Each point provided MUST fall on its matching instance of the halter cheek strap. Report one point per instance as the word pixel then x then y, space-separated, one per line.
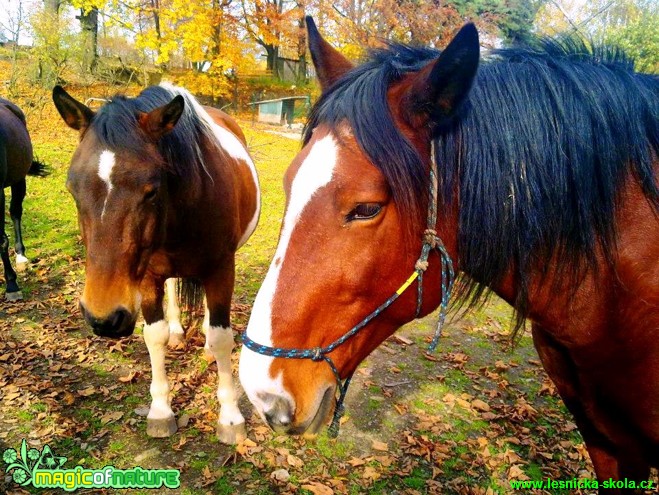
pixel 431 241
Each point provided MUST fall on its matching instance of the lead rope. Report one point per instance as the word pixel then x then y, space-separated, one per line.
pixel 431 241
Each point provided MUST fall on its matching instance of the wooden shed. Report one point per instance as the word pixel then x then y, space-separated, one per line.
pixel 279 110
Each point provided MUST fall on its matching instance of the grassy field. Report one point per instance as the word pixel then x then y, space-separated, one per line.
pixel 466 420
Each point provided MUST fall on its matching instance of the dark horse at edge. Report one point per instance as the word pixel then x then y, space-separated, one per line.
pixel 16 161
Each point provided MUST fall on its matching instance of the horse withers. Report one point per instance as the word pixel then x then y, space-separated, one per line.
pixel 16 161
pixel 546 193
pixel 164 188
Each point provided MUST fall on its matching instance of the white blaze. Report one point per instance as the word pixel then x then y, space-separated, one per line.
pixel 106 162
pixel 315 172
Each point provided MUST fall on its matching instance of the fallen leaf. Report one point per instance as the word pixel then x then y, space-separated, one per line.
pixel 515 472
pixel 480 405
pixel 86 392
pixel 128 378
pixel 371 473
pixel 112 416
pixel 318 488
pixel 380 446
pixel 280 475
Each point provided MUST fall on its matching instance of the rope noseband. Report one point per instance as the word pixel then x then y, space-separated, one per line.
pixel 431 241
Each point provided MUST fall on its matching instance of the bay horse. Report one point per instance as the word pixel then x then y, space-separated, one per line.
pixel 16 161
pixel 164 188
pixel 546 194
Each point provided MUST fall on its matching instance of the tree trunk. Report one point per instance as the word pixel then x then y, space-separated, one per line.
pixel 217 30
pixel 89 26
pixel 272 52
pixel 155 6
pixel 52 6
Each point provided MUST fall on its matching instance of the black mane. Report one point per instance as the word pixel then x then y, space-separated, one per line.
pixel 116 127
pixel 539 152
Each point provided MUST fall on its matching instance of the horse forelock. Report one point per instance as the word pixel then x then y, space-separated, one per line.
pixel 181 150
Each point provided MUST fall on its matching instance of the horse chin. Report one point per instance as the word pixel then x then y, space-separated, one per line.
pixel 126 330
pixel 325 408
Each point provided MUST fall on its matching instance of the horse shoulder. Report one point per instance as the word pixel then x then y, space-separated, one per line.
pixel 246 184
pixel 227 122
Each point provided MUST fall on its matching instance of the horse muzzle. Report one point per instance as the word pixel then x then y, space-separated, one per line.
pixel 119 323
pixel 280 416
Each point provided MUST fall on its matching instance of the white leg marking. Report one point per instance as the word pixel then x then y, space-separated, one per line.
pixel 229 143
pixel 207 320
pixel 173 311
pixel 156 336
pixel 220 342
pixel 106 163
pixel 315 172
pixel 21 260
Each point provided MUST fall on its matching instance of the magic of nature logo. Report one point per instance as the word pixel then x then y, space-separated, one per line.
pixel 43 469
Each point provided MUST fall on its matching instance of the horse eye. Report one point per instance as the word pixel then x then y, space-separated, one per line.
pixel 364 211
pixel 151 194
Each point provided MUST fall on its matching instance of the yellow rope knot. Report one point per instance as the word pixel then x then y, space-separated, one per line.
pixel 430 237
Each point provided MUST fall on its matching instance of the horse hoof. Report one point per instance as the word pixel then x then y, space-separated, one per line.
pixel 161 428
pixel 14 296
pixel 176 339
pixel 231 434
pixel 21 263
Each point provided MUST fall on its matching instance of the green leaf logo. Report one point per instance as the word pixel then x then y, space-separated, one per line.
pixel 23 466
pixel 48 460
pixel 9 456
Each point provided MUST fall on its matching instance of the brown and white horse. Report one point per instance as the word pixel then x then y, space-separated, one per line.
pixel 164 188
pixel 547 168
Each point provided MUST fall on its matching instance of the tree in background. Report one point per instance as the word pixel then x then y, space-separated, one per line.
pixel 632 25
pixel 88 18
pixel 355 25
pixel 638 34
pixel 209 45
pixel 55 45
pixel 273 24
pixel 13 25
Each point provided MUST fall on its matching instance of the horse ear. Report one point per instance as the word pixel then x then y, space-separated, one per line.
pixel 439 89
pixel 75 114
pixel 329 63
pixel 162 120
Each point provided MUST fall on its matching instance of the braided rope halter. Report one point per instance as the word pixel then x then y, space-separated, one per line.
pixel 431 241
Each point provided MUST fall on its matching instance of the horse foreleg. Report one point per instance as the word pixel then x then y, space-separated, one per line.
pixel 176 333
pixel 160 422
pixel 204 329
pixel 561 369
pixel 13 291
pixel 16 214
pixel 219 341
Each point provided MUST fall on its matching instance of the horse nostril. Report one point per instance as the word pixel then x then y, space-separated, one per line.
pixel 277 411
pixel 275 419
pixel 116 319
pixel 119 323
